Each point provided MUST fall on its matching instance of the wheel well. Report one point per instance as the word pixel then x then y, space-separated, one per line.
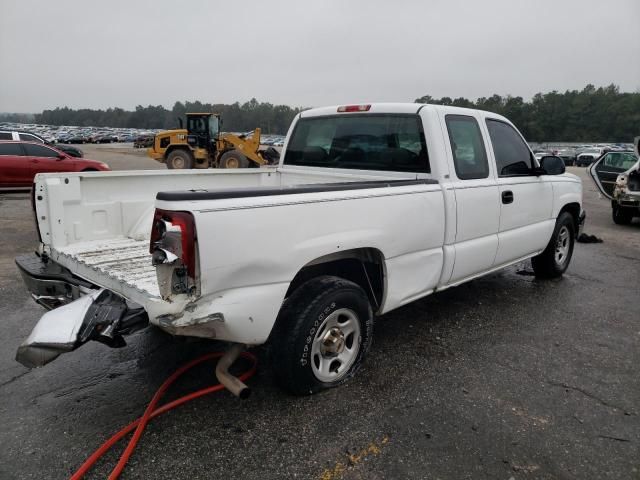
pixel 90 170
pixel 363 266
pixel 574 210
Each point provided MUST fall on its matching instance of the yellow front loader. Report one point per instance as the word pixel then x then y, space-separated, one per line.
pixel 202 145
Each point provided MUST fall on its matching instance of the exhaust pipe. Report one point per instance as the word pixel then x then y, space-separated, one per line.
pixel 232 383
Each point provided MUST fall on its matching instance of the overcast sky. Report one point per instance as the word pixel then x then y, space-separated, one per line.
pixel 123 53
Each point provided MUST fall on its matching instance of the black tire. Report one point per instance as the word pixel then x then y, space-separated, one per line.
pixel 305 319
pixel 233 159
pixel 179 160
pixel 90 170
pixel 551 263
pixel 621 215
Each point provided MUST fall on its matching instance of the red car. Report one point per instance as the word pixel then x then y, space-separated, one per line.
pixel 20 161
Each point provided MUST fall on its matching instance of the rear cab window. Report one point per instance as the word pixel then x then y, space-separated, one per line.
pixel 386 142
pixel 513 157
pixel 6 136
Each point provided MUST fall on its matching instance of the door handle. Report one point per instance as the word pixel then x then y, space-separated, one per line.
pixel 507 197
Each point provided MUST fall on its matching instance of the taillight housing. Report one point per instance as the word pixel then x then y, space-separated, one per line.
pixel 173 244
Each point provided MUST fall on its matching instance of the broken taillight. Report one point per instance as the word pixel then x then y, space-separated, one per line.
pixel 173 243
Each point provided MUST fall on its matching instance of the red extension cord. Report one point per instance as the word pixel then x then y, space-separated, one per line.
pixel 152 412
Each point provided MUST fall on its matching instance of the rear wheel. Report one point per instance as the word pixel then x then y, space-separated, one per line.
pixel 554 260
pixel 322 334
pixel 233 159
pixel 621 215
pixel 179 160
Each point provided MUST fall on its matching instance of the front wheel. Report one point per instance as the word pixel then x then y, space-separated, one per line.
pixel 233 159
pixel 554 260
pixel 179 160
pixel 322 334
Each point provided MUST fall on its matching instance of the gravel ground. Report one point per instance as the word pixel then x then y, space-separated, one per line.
pixel 503 377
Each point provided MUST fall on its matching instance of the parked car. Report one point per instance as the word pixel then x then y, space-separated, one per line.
pixel 21 161
pixel 357 218
pixel 617 176
pixel 105 138
pixel 568 156
pixel 542 153
pixel 143 141
pixel 76 138
pixel 32 137
pixel 588 156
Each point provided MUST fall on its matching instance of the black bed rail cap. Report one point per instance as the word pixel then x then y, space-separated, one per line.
pixel 245 192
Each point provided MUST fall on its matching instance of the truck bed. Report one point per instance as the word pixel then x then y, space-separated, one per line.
pixel 97 224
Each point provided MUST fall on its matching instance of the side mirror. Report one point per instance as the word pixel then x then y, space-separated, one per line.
pixel 552 165
pixel 61 156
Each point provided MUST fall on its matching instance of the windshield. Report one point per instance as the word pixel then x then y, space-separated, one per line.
pixel 360 141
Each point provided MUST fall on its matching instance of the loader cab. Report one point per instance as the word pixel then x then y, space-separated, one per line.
pixel 203 129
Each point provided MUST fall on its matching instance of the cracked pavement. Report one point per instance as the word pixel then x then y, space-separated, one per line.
pixel 502 377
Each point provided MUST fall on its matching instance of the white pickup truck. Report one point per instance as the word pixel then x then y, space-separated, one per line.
pixel 371 207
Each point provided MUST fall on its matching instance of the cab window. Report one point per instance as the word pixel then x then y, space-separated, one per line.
pixel 513 157
pixel 467 146
pixel 29 138
pixel 12 149
pixel 39 151
pixel 619 161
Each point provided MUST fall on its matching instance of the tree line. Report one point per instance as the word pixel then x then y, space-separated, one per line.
pixel 236 117
pixel 592 114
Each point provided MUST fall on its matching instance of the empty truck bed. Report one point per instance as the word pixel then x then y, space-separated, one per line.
pixel 120 264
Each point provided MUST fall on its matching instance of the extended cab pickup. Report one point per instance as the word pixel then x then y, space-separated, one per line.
pixel 371 207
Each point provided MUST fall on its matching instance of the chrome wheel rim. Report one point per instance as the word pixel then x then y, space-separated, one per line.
pixel 562 245
pixel 335 345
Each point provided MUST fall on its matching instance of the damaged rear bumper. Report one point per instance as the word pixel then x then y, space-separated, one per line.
pixel 50 284
pixel 80 312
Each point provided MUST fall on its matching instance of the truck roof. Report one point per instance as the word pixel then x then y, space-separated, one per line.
pixel 406 108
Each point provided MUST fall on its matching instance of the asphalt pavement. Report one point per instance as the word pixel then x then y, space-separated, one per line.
pixel 503 377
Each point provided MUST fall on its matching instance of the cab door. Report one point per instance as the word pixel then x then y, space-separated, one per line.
pixel 476 197
pixel 526 199
pixel 14 166
pixel 606 170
